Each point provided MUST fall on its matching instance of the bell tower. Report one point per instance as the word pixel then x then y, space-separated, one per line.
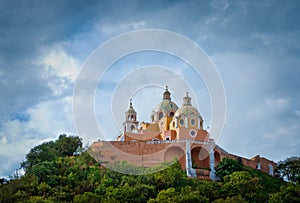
pixel 130 123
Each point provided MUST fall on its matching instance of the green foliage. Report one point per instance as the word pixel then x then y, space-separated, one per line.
pixel 226 167
pixel 65 146
pixel 87 197
pixel 289 194
pixel 80 179
pixel 289 169
pixel 39 154
pixel 49 151
pixel 233 199
pixel 242 183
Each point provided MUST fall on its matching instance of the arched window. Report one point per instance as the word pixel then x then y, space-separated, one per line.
pixel 271 170
pixel 258 166
pixel 171 114
pixel 160 115
pixel 181 121
pixel 193 121
pixel 132 128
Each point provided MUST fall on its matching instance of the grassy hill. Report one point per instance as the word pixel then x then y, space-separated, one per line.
pixel 53 175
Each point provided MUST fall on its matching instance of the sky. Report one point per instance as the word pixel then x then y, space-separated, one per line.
pixel 253 44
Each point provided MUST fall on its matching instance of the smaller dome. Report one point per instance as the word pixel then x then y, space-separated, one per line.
pixel 187 111
pixel 187 101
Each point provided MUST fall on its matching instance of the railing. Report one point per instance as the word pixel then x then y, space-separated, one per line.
pixel 179 141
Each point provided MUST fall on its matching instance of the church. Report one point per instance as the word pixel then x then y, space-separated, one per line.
pixel 173 133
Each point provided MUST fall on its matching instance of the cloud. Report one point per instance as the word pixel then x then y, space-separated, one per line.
pixel 261 118
pixel 61 63
pixel 254 45
pixel 47 120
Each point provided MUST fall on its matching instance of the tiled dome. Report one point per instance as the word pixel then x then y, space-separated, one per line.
pixel 166 106
pixel 187 110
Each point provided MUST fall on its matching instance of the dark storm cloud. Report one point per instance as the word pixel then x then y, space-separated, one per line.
pixel 256 44
pixel 27 27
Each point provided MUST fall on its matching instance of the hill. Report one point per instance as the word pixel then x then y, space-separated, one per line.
pixel 54 175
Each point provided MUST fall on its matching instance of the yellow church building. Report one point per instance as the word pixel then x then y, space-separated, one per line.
pixel 174 132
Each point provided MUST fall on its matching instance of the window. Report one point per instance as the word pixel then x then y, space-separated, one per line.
pixel 160 115
pixel 171 114
pixel 193 133
pixel 132 128
pixel 193 121
pixel 258 166
pixel 181 121
pixel 168 138
pixel 271 170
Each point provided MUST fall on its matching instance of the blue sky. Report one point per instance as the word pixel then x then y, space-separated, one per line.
pixel 254 45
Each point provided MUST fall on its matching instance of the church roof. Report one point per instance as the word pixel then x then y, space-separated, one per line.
pixel 187 109
pixel 166 105
pixel 131 109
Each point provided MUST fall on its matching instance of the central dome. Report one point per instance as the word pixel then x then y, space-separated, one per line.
pixel 165 108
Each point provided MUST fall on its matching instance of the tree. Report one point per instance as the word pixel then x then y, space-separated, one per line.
pixel 43 170
pixel 289 169
pixel 234 199
pixel 242 183
pixel 87 197
pixel 49 151
pixel 165 196
pixel 39 154
pixel 226 167
pixel 289 194
pixel 65 146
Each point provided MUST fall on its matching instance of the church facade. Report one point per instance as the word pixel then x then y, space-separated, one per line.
pixel 174 132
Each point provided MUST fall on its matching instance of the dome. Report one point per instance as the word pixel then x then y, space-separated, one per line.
pixel 166 106
pixel 187 111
